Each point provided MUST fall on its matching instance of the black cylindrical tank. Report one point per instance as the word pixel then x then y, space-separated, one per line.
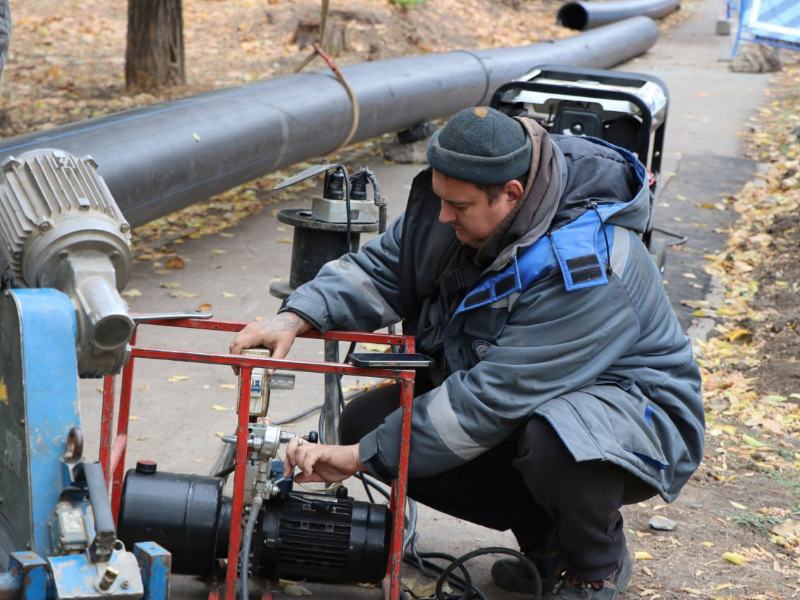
pixel 186 514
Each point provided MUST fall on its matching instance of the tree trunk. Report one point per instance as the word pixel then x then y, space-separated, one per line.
pixel 154 56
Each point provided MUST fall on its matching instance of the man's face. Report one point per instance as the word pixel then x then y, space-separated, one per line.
pixel 466 208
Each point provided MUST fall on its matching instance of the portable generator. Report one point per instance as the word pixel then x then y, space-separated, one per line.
pixel 625 109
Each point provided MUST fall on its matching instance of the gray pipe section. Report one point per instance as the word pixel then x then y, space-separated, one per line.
pixel 160 158
pixel 588 15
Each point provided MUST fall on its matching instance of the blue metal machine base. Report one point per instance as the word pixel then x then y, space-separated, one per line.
pixel 45 527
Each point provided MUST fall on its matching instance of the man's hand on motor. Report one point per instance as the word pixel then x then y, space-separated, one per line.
pixel 276 334
pixel 321 462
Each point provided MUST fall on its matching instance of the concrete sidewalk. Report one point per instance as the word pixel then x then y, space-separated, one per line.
pixel 177 423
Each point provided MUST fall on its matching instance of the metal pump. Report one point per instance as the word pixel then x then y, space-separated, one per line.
pixel 60 228
pixel 290 534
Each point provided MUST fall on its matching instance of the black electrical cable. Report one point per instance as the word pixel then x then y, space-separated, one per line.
pixel 341 391
pixel 422 561
pixel 247 540
pixel 682 239
pixel 347 204
pixel 415 558
pixel 298 416
pixel 224 472
pixel 494 550
pixel 593 206
pixel 360 476
pixel 321 427
pixel 376 192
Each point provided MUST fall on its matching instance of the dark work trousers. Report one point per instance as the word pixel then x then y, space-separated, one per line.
pixel 530 484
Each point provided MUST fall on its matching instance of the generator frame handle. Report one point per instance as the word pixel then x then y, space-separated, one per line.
pixel 113 447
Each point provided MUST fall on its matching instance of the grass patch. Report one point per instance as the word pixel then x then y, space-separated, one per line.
pixel 763 523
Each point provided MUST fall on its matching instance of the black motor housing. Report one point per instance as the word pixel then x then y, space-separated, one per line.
pixel 323 538
pixel 317 537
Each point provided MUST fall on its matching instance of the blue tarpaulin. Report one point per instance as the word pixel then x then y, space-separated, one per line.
pixel 772 22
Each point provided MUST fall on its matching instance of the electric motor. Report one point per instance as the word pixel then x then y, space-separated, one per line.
pixel 323 538
pixel 61 228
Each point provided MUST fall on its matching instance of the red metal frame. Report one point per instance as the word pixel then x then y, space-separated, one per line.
pixel 113 448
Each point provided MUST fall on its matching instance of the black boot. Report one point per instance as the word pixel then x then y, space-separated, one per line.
pixel 608 588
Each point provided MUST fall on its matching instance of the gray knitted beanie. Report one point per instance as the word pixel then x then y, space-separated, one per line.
pixel 481 145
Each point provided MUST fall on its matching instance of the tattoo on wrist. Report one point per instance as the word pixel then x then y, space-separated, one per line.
pixel 283 322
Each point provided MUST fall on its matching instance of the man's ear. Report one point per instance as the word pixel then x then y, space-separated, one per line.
pixel 513 190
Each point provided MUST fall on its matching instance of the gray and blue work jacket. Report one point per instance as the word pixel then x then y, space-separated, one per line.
pixel 574 326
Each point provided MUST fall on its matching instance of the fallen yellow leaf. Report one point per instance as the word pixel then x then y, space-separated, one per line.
pixel 170 285
pixel 376 347
pixel 132 293
pixel 227 386
pixel 228 295
pixel 737 505
pixel 642 555
pixel 218 407
pixel 175 378
pixel 183 295
pixel 743 334
pixel 723 586
pixel 735 558
pixel 751 441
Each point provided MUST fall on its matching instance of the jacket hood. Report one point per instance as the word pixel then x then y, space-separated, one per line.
pixel 584 175
pixel 606 175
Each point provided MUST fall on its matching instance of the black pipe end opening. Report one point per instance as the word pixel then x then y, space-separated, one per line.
pixel 573 16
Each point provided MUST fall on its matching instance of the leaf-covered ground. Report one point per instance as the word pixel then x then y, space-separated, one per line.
pixel 744 500
pixel 738 525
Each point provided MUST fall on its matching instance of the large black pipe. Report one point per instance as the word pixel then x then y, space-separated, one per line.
pixel 588 15
pixel 163 157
